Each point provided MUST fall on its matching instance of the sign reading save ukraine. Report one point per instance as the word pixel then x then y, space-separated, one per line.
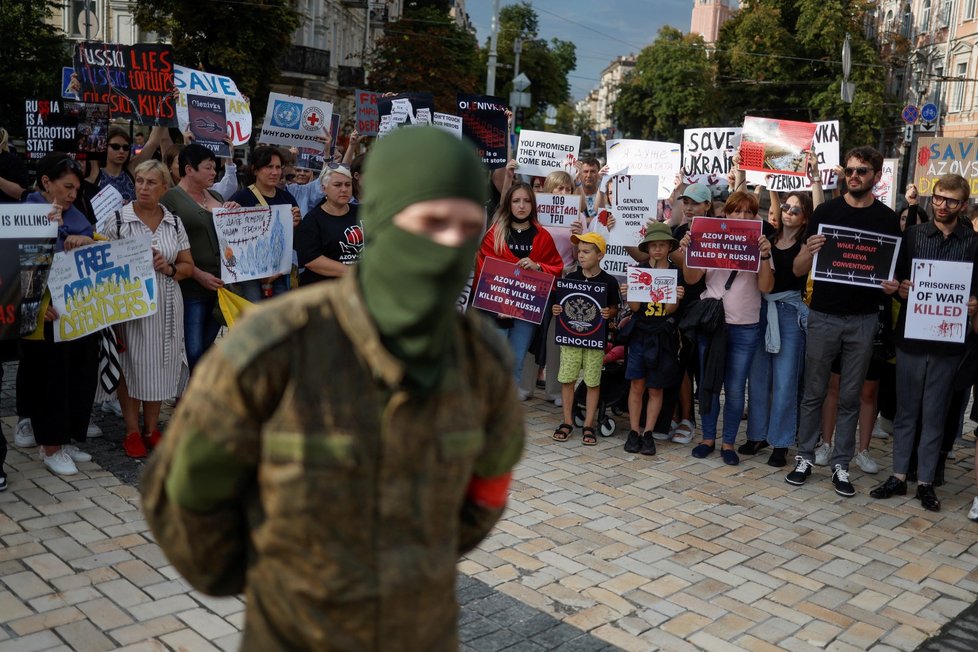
pixel 940 156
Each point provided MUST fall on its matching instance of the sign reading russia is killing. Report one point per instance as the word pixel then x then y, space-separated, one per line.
pixel 136 81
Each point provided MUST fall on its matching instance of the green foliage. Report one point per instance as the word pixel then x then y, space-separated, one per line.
pixel 33 53
pixel 242 41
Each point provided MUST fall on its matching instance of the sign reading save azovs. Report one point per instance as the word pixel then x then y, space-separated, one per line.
pixel 940 156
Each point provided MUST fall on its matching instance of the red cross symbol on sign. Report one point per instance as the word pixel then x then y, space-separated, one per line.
pixel 312 119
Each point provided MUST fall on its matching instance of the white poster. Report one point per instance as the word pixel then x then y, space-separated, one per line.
pixel 885 190
pixel 450 123
pixel 255 243
pixel 635 199
pixel 106 201
pixel 708 154
pixel 541 153
pixel 937 308
pixel 646 157
pixel 825 146
pixel 194 82
pixel 295 122
pixel 558 210
pixel 647 285
pixel 616 261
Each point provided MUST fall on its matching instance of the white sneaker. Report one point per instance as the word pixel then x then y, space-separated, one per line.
pixel 559 402
pixel 866 463
pixel 884 424
pixel 112 407
pixel 94 432
pixel 522 394
pixel 822 453
pixel 60 463
pixel 24 434
pixel 973 514
pixel 879 430
pixel 76 454
pixel 952 455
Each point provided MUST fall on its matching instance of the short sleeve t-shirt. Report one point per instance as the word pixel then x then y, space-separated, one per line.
pixel 338 237
pixel 742 302
pixel 784 276
pixel 123 183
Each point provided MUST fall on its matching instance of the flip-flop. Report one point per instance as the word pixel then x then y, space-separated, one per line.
pixel 589 439
pixel 563 432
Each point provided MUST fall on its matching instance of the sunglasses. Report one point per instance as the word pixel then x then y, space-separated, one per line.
pixel 117 146
pixel 333 165
pixel 69 164
pixel 861 171
pixel 941 200
pixel 793 210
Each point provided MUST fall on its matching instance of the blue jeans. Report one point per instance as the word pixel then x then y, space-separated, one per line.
pixel 251 290
pixel 199 327
pixel 520 336
pixel 741 343
pixel 772 412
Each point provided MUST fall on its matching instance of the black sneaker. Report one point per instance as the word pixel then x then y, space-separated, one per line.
pixel 803 469
pixel 648 443
pixel 634 442
pixel 840 478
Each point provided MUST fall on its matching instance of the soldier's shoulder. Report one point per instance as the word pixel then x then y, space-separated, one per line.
pixel 484 337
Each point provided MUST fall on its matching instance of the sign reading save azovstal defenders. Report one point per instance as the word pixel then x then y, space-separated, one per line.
pixel 580 322
pixel 940 156
pixel 855 257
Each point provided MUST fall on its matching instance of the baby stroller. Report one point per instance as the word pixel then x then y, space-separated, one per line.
pixel 614 391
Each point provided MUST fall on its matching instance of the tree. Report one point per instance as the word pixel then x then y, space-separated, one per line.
pixel 33 52
pixel 670 88
pixel 241 40
pixel 426 51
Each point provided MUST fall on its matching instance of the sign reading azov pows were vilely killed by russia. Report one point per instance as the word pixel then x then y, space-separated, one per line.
pixel 506 289
pixel 937 306
pixel 580 322
pixel 541 153
pixel 855 257
pixel 718 243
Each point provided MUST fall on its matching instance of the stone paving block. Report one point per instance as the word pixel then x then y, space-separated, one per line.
pixel 187 639
pixel 48 566
pixel 149 629
pixel 105 614
pixel 12 607
pixel 208 625
pixel 82 636
pixel 43 621
pixel 45 640
pixel 26 585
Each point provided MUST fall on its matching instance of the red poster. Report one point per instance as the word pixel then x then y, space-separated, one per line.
pixel 776 146
pixel 719 243
pixel 505 289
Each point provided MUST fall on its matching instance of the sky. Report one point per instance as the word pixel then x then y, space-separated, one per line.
pixel 601 29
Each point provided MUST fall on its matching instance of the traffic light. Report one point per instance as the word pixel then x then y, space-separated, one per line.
pixel 518 120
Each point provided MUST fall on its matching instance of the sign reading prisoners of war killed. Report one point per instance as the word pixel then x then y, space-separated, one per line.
pixel 541 153
pixel 27 239
pixel 719 243
pixel 580 322
pixel 937 307
pixel 939 156
pixel 136 81
pixel 102 284
pixel 708 154
pixel 506 289
pixel 634 198
pixel 76 128
pixel 484 123
pixel 646 157
pixel 855 257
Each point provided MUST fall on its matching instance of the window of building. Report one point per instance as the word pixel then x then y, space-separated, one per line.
pixel 969 10
pixel 925 16
pixel 83 19
pixel 907 28
pixel 957 95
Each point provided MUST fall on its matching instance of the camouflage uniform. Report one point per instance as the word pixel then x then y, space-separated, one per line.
pixel 297 469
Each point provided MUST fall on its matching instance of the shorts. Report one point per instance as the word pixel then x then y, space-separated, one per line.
pixel 575 358
pixel 654 357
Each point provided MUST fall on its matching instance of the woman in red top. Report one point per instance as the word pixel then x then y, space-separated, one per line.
pixel 517 237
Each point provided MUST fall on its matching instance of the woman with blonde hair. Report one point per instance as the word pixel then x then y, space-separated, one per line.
pixel 13 173
pixel 330 239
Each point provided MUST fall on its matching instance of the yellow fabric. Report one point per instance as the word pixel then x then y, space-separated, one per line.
pixel 261 198
pixel 232 305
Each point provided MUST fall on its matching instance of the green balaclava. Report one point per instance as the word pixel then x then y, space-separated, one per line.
pixel 410 283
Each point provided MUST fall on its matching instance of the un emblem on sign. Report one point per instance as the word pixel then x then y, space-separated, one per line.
pixel 286 114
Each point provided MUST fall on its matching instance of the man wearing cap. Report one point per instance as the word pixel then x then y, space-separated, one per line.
pixel 345 443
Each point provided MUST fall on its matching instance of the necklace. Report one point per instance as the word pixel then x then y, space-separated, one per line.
pixel 521 230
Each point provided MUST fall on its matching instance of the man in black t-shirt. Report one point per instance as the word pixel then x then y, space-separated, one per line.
pixel 843 320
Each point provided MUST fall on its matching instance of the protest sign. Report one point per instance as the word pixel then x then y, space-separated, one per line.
pixel 208 122
pixel 541 153
pixel 404 109
pixel 885 190
pixel 776 146
pixel 708 154
pixel 237 106
pixel 504 288
pixel 558 210
pixel 937 307
pixel 106 201
pixel 616 261
pixel 295 122
pixel 634 198
pixel 580 322
pixel 101 285
pixel 484 123
pixel 450 123
pixel 646 157
pixel 855 257
pixel 76 128
pixel 719 243
pixel 647 285
pixel 255 243
pixel 136 81
pixel 367 119
pixel 27 239
pixel 939 156
pixel 310 159
pixel 825 149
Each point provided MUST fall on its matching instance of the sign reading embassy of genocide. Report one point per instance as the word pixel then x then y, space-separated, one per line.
pixel 506 289
pixel 136 81
pixel 718 243
pixel 580 322
pixel 855 257
pixel 27 239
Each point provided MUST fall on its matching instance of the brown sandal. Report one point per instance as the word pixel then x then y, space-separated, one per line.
pixel 590 437
pixel 563 432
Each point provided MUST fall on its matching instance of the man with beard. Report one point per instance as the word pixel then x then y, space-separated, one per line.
pixel 925 369
pixel 843 319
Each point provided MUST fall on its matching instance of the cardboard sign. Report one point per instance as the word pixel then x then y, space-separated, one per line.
pixel 295 122
pixel 503 288
pixel 450 123
pixel 720 243
pixel 885 190
pixel 855 257
pixel 825 148
pixel 255 243
pixel 75 128
pixel 708 154
pixel 136 81
pixel 27 240
pixel 101 285
pixel 939 156
pixel 367 119
pixel 558 210
pixel 778 146
pixel 937 308
pixel 647 285
pixel 208 122
pixel 635 199
pixel 237 107
pixel 580 322
pixel 106 201
pixel 541 153
pixel 484 123
pixel 404 109
pixel 647 158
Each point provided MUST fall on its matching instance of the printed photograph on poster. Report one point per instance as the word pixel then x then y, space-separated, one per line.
pixel 937 306
pixel 504 288
pixel 404 109
pixel 254 243
pixel 855 257
pixel 580 322
pixel 939 156
pixel 708 154
pixel 484 123
pixel 208 123
pixel 558 210
pixel 295 122
pixel 634 198
pixel 825 149
pixel 541 152
pixel 647 285
pixel 76 128
pixel 27 240
pixel 367 117
pixel 237 106
pixel 719 243
pixel 135 81
pixel 768 145
pixel 646 158
pixel 101 285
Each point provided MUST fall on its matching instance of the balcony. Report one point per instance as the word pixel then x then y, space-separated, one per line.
pixel 349 76
pixel 379 16
pixel 355 4
pixel 305 60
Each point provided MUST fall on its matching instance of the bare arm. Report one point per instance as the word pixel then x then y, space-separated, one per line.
pixel 327 267
pixel 152 144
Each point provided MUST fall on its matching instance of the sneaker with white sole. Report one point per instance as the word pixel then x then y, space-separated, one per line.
pixel 822 454
pixel 94 432
pixel 523 394
pixel 59 463
pixel 76 454
pixel 803 469
pixel 112 407
pixel 24 434
pixel 3 482
pixel 973 514
pixel 878 430
pixel 840 478
pixel 866 463
pixel 684 432
pixel 661 436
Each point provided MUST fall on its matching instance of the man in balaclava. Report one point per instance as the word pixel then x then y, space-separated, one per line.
pixel 345 443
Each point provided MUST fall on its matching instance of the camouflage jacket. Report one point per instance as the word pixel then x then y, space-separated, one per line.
pixel 299 470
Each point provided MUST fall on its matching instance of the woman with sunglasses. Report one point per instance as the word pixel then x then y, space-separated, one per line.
pixel 57 380
pixel 120 163
pixel 330 239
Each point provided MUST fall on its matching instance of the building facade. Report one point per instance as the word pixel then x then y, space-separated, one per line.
pixel 708 16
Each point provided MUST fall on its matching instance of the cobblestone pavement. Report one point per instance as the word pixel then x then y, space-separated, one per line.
pixel 600 550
